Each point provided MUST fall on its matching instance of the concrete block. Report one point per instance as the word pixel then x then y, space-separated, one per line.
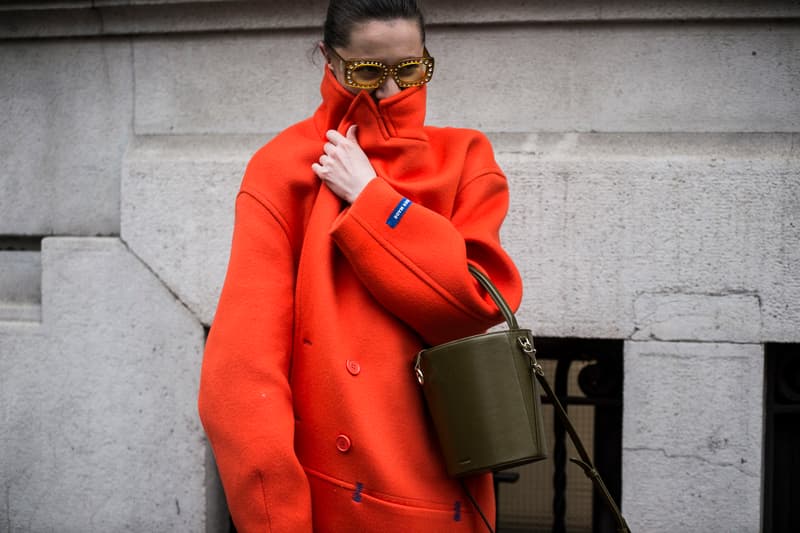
pixel 661 77
pixel 177 210
pixel 66 109
pixel 511 11
pixel 598 221
pixel 692 436
pixel 664 494
pixel 674 404
pixel 125 17
pixel 636 78
pixel 99 427
pixel 225 85
pixel 706 317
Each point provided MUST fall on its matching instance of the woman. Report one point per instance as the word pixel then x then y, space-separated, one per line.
pixel 353 233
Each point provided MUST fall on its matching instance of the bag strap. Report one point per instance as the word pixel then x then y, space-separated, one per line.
pixel 499 301
pixel 584 462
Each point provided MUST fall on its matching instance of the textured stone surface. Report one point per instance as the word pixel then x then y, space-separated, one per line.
pixel 65 119
pixel 692 436
pixel 177 210
pixel 98 428
pixel 631 78
pixel 249 91
pixel 671 494
pixel 598 222
pixel 706 317
pixel 623 78
pixel 112 17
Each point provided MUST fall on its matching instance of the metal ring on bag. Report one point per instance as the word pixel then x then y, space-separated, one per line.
pixel 526 345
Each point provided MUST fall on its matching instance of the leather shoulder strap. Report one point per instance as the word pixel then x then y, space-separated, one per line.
pixel 584 462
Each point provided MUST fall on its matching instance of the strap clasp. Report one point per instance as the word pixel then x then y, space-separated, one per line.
pixel 527 347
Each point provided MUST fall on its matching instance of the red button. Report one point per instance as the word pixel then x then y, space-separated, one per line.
pixel 353 367
pixel 343 443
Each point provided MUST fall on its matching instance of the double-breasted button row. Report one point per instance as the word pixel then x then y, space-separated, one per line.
pixel 343 443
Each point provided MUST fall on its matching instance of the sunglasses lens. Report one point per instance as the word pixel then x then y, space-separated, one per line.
pixel 367 76
pixel 413 73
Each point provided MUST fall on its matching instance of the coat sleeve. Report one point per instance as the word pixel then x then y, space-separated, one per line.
pixel 245 402
pixel 414 260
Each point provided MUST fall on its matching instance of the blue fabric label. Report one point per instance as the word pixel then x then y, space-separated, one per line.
pixel 397 214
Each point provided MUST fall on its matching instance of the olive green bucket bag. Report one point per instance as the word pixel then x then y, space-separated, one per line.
pixel 483 396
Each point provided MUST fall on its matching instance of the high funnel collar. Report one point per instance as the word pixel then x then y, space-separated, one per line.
pixel 401 115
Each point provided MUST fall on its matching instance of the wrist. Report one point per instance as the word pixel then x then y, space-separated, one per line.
pixel 363 185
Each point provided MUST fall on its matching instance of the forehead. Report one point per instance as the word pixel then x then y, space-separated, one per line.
pixel 389 40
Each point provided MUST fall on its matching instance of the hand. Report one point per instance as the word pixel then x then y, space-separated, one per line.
pixel 344 167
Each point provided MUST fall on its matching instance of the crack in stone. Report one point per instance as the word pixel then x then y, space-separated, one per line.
pixel 161 280
pixel 724 464
pixel 683 291
pixel 635 337
pixel 647 318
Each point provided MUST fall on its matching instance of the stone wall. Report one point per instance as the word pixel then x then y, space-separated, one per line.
pixel 653 152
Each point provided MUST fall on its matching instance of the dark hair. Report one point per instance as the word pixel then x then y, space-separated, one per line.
pixel 344 14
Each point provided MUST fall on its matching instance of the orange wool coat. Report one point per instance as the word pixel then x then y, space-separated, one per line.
pixel 307 392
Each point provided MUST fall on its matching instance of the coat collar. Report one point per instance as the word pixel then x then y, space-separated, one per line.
pixel 402 115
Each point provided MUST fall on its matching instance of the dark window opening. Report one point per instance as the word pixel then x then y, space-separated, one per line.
pixel 21 243
pixel 782 438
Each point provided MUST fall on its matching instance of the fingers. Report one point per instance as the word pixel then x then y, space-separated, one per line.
pixel 336 138
pixel 323 173
pixel 338 144
pixel 343 165
pixel 322 168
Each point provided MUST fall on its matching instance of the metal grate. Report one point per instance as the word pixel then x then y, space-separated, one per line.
pixel 554 495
